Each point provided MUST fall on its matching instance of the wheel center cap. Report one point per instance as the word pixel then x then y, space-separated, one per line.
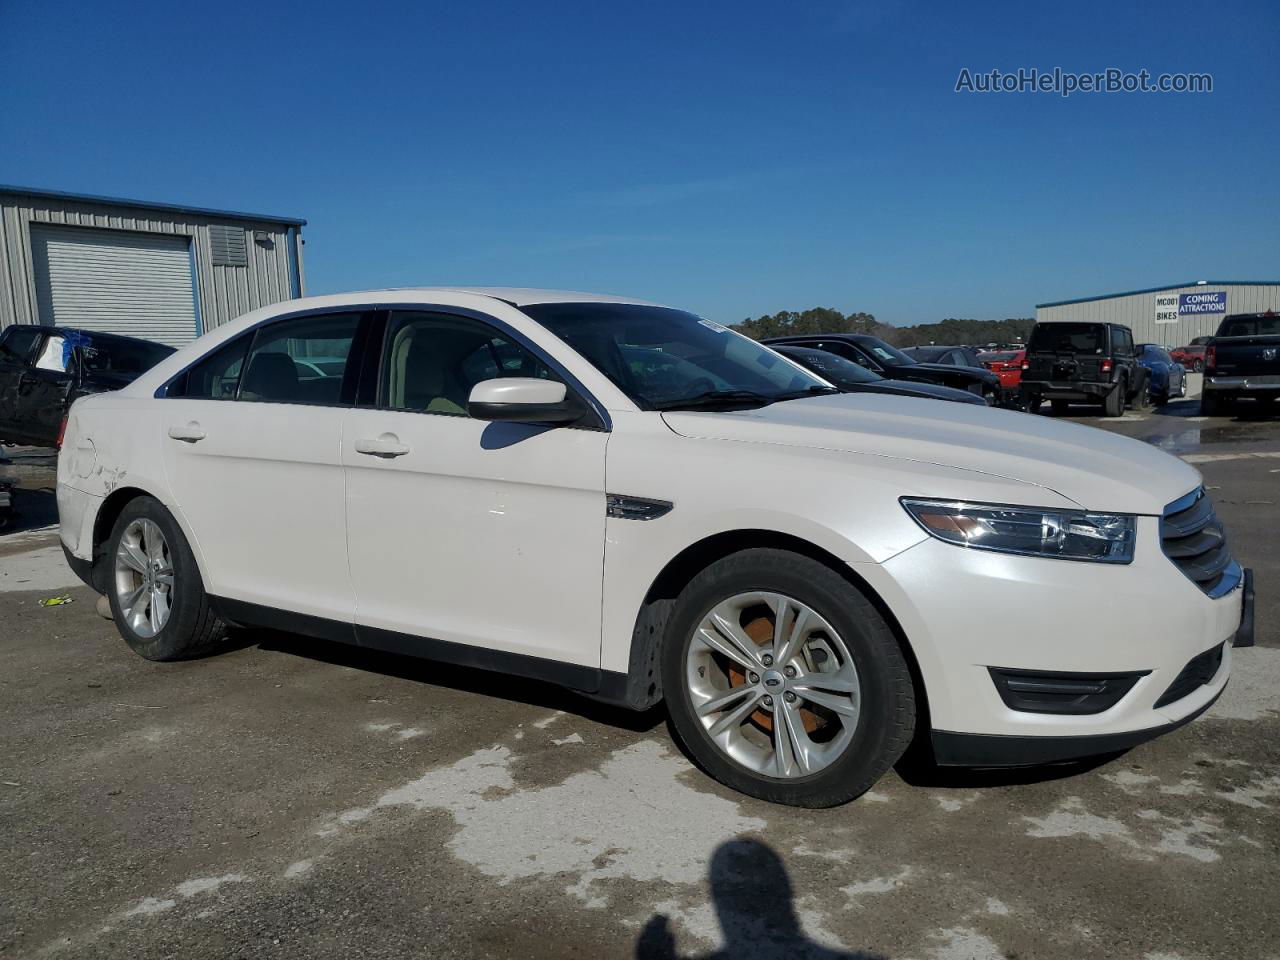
pixel 773 680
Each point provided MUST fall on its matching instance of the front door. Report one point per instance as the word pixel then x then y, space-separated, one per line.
pixel 484 534
pixel 18 348
pixel 252 449
pixel 44 390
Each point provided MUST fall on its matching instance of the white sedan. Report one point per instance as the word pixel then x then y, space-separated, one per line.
pixel 645 506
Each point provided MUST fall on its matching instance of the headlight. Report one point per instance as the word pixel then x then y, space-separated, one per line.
pixel 1027 531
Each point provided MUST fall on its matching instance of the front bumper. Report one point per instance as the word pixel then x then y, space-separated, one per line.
pixel 967 611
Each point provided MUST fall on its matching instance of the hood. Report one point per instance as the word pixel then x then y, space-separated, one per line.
pixel 1092 467
pixel 917 388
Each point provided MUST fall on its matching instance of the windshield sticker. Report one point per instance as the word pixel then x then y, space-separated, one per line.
pixel 712 325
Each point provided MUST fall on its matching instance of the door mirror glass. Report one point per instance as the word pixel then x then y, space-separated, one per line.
pixel 523 400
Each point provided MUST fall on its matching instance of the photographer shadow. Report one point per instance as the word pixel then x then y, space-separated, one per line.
pixel 755 906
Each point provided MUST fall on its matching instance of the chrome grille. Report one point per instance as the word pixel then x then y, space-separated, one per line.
pixel 1192 537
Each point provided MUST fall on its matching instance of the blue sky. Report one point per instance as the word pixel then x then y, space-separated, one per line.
pixel 733 158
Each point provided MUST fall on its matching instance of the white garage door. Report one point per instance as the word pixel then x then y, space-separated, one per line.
pixel 137 284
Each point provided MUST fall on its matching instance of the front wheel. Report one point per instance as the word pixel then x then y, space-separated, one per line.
pixel 784 682
pixel 156 594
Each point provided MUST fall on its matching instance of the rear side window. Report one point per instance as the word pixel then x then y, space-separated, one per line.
pixel 302 360
pixel 217 376
pixel 122 358
pixel 1250 327
pixel 1068 338
pixel 18 344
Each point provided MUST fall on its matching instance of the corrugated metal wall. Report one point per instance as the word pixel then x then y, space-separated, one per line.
pixel 224 292
pixel 1138 311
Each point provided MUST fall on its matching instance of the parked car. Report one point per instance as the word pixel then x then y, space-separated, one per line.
pixel 44 369
pixel 888 361
pixel 1242 360
pixel 1005 364
pixel 1166 378
pixel 6 503
pixel 1095 362
pixel 953 356
pixel 852 377
pixel 1191 356
pixel 496 479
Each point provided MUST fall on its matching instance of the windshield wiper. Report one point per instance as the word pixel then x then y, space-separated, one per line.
pixel 814 391
pixel 716 398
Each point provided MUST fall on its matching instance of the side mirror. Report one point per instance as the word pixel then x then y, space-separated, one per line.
pixel 523 400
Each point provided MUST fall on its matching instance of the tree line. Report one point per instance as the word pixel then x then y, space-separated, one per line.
pixel 953 330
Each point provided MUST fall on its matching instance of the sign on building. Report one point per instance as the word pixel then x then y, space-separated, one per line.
pixel 1166 308
pixel 1193 304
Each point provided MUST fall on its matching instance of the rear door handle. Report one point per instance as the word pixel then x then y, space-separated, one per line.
pixel 191 433
pixel 387 445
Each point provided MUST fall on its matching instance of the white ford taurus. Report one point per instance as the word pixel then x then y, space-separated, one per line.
pixel 645 506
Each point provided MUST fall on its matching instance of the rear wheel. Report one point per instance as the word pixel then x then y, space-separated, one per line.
pixel 157 598
pixel 784 682
pixel 1197 365
pixel 1113 402
pixel 1212 404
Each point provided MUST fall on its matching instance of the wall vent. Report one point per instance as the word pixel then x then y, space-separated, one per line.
pixel 228 247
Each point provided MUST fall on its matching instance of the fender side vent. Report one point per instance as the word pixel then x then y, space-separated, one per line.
pixel 635 508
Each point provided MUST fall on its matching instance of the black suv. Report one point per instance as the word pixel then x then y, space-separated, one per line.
pixel 1094 362
pixel 43 370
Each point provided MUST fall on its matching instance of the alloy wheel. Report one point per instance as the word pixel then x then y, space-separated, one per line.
pixel 773 685
pixel 144 577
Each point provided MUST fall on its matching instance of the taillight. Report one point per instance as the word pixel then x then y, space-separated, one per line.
pixel 1106 366
pixel 1026 366
pixel 62 432
pixel 1210 357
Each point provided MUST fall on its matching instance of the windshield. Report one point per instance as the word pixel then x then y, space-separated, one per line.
pixel 885 353
pixel 836 369
pixel 120 358
pixel 1068 338
pixel 1250 327
pixel 661 357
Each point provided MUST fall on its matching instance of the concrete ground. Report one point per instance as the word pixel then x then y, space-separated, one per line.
pixel 295 799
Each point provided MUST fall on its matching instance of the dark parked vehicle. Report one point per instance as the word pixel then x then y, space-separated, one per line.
pixel 44 369
pixel 852 377
pixel 1094 362
pixel 954 356
pixel 1242 360
pixel 1166 377
pixel 878 356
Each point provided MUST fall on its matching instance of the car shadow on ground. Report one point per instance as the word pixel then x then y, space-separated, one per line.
pixel 30 510
pixel 755 905
pixel 439 674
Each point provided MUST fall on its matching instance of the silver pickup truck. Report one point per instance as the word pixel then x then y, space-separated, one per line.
pixel 1242 360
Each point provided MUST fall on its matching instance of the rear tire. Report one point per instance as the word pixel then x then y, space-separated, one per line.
pixel 1032 403
pixel 157 597
pixel 859 734
pixel 1211 404
pixel 1060 407
pixel 1113 402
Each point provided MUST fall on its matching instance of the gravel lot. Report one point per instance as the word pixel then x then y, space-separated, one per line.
pixel 292 798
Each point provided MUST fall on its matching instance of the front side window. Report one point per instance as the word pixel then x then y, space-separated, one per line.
pixel 300 360
pixel 433 360
pixel 664 359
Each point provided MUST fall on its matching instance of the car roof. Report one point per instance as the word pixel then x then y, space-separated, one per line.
pixel 519 296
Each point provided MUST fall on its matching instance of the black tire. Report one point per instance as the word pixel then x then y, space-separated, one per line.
pixel 1211 404
pixel 1113 402
pixel 1141 399
pixel 1197 365
pixel 887 718
pixel 1159 399
pixel 192 628
pixel 1060 407
pixel 1031 403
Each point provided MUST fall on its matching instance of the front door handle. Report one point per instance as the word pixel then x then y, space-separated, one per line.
pixel 191 433
pixel 387 445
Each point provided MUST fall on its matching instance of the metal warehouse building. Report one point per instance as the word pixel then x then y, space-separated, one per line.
pixel 154 270
pixel 1170 316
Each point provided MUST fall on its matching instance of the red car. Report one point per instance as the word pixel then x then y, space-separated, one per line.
pixel 1190 356
pixel 1005 364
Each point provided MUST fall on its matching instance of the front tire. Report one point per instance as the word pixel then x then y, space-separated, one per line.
pixel 784 682
pixel 154 587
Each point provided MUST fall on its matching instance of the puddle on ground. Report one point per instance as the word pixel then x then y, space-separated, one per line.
pixel 1190 439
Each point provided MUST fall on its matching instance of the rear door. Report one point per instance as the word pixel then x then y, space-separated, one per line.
pixel 18 348
pixel 252 450
pixel 44 390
